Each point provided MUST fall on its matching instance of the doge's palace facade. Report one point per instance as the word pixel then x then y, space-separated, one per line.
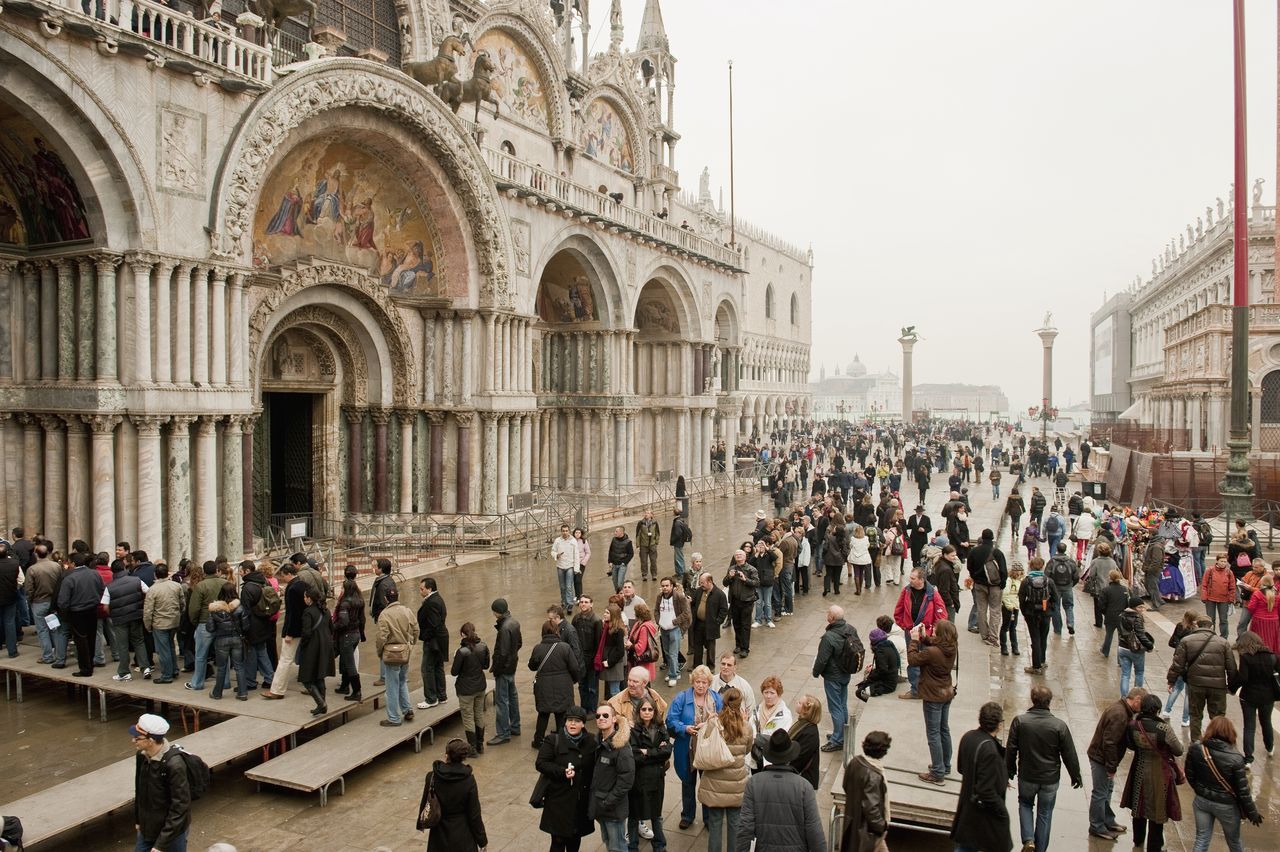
pixel 252 272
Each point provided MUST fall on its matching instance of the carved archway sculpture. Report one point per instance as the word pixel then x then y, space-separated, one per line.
pixel 383 91
pixel 382 323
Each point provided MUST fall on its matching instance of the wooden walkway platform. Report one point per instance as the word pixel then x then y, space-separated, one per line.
pixel 66 806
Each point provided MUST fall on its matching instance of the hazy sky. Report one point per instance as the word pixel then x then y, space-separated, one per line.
pixel 966 166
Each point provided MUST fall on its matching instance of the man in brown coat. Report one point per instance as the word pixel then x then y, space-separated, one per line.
pixel 1106 750
pixel 671 610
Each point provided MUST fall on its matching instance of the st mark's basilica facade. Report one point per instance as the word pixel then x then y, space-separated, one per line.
pixel 254 270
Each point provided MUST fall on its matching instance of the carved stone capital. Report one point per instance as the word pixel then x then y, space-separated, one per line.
pixel 490 416
pixel 180 424
pixel 148 424
pixel 102 424
pixel 141 261
pixel 353 414
pixel 75 425
pixel 28 421
pixel 106 263
pixel 464 419
pixel 436 418
pixel 51 423
pixel 406 415
pixel 380 416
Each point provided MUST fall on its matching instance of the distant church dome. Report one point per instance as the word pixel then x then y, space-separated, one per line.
pixel 855 368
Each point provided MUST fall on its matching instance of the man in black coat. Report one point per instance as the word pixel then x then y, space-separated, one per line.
pixel 291 631
pixel 981 822
pixel 262 630
pixel 988 585
pixel 707 608
pixel 506 651
pixel 918 528
pixel 435 642
pixel 378 595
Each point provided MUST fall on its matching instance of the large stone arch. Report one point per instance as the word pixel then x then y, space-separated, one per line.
pixel 533 37
pixel 382 94
pixel 333 339
pixel 727 328
pixel 352 305
pixel 119 198
pixel 680 289
pixel 599 264
pixel 627 109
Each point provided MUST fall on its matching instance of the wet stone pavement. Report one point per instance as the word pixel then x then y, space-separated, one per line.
pixel 47 739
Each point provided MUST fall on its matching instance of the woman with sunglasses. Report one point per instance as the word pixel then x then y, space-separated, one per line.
pixel 651 746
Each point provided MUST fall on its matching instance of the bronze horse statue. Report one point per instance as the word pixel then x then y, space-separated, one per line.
pixel 476 90
pixel 275 11
pixel 433 72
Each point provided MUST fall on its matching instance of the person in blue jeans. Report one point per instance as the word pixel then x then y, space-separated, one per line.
pixel 1039 745
pixel 935 656
pixel 506 649
pixel 1213 758
pixel 1130 653
pixel 830 666
pixel 1106 750
pixel 613 776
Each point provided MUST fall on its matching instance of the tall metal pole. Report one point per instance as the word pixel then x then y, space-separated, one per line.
pixel 733 217
pixel 1235 488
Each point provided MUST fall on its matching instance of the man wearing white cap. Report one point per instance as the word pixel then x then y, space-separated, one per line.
pixel 162 790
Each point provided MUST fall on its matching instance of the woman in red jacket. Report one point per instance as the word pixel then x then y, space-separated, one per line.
pixel 919 604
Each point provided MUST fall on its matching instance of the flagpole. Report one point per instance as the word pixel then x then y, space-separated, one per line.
pixel 733 217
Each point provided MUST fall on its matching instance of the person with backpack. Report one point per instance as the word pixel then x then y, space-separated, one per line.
pixel 1065 573
pixel 1037 596
pixel 1054 528
pixel 840 654
pixel 1134 643
pixel 262 601
pixel 228 624
pixel 162 786
pixel 1205 532
pixel 989 572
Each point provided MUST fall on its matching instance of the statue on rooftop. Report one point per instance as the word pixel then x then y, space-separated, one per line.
pixel 1257 190
pixel 1220 209
pixel 1048 319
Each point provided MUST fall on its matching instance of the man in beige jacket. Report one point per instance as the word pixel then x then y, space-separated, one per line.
pixel 396 626
pixel 624 704
pixel 162 616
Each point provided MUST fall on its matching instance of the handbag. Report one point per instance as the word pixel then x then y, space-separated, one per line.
pixel 713 752
pixel 430 816
pixel 395 654
pixel 538 797
pixel 1208 758
pixel 1179 775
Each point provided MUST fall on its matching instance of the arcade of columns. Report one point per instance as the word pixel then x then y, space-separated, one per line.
pixel 179 483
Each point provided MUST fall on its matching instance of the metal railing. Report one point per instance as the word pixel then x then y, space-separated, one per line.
pixel 207 41
pixel 509 171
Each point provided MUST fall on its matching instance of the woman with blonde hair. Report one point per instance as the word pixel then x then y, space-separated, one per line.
pixel 689 712
pixel 721 789
pixel 1264 617
pixel 804 732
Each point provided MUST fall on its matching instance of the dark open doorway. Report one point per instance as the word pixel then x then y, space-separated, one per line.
pixel 290 451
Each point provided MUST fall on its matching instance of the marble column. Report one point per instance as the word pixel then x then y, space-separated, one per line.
pixel 48 307
pixel 355 459
pixel 436 419
pixel 489 463
pixel 514 457
pixel 107 335
pixel 218 328
pixel 468 355
pixel 694 453
pixel 680 461
pixel 9 279
pixel 629 470
pixel 103 480
pixel 465 420
pixel 571 451
pixel 239 324
pixel 446 367
pixel 141 265
pixel 163 322
pixel 507 359
pixel 704 466
pixel 87 321
pixel 502 463
pixel 487 381
pixel 556 455
pixel 619 455
pixel 67 321
pixel 233 541
pixel 199 329
pixel 150 510
pixel 28 328
pixel 586 429
pixel 429 334
pixel 542 424
pixel 526 452
pixel 607 455
pixel 55 479
pixel 182 332
pixel 32 480
pixel 178 516
pixel 206 488
pixel 380 417
pixel 1255 422
pixel 407 417
pixel 1193 416
pixel 657 440
pixel 247 424
pixel 78 486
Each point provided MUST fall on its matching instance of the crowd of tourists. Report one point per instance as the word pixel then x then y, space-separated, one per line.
pixel 747 757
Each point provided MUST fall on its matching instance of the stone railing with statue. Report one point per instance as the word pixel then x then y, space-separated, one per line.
pixel 163 35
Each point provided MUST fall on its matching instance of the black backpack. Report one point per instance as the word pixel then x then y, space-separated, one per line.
pixel 851 652
pixel 1038 591
pixel 198 775
pixel 1061 572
